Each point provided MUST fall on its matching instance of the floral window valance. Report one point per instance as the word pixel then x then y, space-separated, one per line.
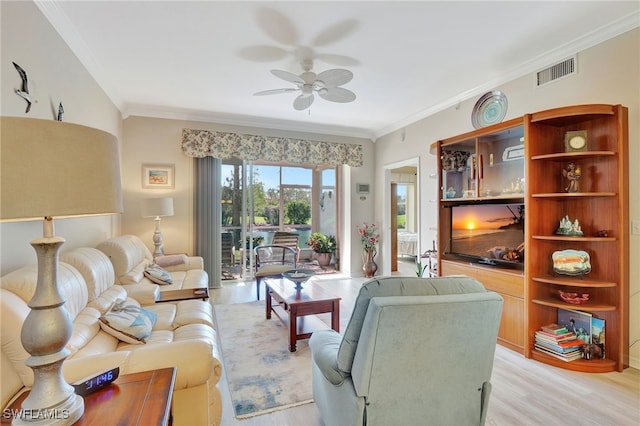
pixel 204 143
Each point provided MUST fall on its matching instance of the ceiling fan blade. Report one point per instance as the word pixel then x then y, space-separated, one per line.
pixel 340 60
pixel 288 76
pixel 274 91
pixel 302 102
pixel 338 94
pixel 335 77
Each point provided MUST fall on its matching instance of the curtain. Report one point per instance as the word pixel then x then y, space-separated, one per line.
pixel 205 143
pixel 208 216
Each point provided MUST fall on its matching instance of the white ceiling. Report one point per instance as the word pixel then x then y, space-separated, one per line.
pixel 203 60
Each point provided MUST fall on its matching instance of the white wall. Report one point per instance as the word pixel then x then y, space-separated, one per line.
pixel 55 75
pixel 607 73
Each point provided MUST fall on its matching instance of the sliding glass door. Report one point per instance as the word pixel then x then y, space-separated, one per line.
pixel 258 199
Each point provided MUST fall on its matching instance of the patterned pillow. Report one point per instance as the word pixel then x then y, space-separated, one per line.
pixel 157 274
pixel 128 322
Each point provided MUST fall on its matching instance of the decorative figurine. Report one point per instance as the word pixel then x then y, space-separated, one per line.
pixel 60 112
pixel 451 193
pixel 23 92
pixel 568 228
pixel 572 172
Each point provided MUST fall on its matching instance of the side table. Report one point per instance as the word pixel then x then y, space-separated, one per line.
pixel 184 294
pixel 133 399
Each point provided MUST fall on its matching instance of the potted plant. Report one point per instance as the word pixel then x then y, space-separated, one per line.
pixel 323 246
pixel 256 241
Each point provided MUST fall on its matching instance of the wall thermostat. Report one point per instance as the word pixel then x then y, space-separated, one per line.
pixel 362 188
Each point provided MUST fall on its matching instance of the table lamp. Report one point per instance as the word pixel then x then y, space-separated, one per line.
pixel 51 169
pixel 157 207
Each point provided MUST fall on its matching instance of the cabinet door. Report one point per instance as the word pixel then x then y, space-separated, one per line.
pixel 500 163
pixel 458 163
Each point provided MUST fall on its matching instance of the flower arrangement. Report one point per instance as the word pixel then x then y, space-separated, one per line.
pixel 369 236
pixel 321 243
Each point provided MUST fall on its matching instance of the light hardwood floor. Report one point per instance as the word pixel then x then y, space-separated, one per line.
pixel 525 392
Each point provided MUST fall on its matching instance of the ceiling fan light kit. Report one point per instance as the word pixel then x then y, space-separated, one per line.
pixel 325 84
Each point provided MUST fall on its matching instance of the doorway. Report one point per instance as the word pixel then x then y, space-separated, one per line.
pixel 402 218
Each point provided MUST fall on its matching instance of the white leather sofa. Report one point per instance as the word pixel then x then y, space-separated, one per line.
pixel 182 337
pixel 130 257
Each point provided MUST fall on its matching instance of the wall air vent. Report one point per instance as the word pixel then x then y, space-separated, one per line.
pixel 554 72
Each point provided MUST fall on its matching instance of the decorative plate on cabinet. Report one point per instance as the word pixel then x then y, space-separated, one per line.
pixel 490 109
pixel 571 262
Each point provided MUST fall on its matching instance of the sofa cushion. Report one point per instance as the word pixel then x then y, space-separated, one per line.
pixel 71 286
pixel 396 286
pixel 126 253
pixel 128 321
pixel 135 274
pixel 158 274
pixel 95 267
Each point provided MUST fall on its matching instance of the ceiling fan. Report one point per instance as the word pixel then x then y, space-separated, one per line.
pixel 326 85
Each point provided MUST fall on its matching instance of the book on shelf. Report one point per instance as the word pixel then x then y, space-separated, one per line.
pixel 577 322
pixel 562 347
pixel 597 338
pixel 554 329
pixel 572 356
pixel 555 337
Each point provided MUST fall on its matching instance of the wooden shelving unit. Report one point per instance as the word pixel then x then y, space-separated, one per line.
pixel 601 203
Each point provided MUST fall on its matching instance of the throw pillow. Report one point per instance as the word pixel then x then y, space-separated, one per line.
pixel 171 260
pixel 158 274
pixel 128 322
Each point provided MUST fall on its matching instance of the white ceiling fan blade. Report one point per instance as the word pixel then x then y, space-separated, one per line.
pixel 302 102
pixel 340 60
pixel 337 94
pixel 274 91
pixel 288 76
pixel 335 77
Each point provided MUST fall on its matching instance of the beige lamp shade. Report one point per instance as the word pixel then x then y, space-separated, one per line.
pixel 57 169
pixel 157 207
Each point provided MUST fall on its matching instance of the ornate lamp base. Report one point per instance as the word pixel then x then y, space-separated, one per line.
pixel 45 333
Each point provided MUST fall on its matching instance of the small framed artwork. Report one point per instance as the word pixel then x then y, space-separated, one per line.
pixel 158 176
pixel 575 141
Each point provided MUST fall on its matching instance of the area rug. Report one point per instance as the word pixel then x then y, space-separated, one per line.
pixel 263 375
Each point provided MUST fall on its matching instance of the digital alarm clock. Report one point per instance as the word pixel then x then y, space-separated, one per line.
pixel 96 382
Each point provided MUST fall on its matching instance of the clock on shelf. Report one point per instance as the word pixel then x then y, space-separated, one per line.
pixel 575 141
pixel 96 382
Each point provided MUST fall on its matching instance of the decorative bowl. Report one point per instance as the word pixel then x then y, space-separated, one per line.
pixel 574 298
pixel 298 276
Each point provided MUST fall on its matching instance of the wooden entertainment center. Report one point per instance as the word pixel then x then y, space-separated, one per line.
pixel 526 161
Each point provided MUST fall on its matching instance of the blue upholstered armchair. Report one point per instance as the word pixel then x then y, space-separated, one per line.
pixel 415 351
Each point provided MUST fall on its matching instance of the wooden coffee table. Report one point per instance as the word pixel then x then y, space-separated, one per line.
pixel 135 399
pixel 296 308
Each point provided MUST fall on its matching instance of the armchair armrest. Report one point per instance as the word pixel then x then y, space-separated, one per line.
pixel 324 347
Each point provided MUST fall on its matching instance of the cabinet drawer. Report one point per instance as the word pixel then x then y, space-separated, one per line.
pixel 500 281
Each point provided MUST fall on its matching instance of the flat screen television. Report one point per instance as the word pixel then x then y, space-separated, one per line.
pixel 490 234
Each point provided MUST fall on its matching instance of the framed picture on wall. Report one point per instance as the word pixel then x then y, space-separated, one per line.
pixel 158 176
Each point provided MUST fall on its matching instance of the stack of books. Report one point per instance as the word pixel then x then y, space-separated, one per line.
pixel 557 341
